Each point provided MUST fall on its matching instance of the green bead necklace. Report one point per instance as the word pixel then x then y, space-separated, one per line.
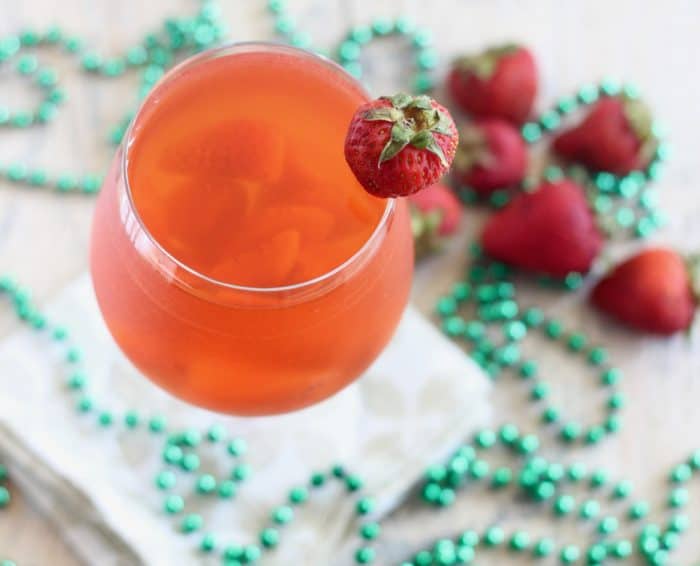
pixel 490 292
pixel 349 51
pixel 177 38
pixel 180 451
pixel 488 289
pixel 545 482
pixel 4 492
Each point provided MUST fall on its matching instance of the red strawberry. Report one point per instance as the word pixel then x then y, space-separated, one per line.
pixel 435 213
pixel 651 291
pixel 501 82
pixel 615 136
pixel 439 199
pixel 399 145
pixel 550 231
pixel 491 155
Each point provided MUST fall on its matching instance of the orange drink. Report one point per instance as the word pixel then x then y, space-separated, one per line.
pixel 235 258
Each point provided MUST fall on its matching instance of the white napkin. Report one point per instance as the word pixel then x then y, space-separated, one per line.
pixel 416 403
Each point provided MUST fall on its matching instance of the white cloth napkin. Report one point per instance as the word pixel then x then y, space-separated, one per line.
pixel 416 403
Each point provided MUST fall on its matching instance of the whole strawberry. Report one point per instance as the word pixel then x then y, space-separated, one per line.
pixel 550 231
pixel 501 82
pixel 435 213
pixel 615 136
pixel 398 145
pixel 491 155
pixel 650 291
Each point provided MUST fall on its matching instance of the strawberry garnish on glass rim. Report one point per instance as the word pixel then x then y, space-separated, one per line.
pixel 401 144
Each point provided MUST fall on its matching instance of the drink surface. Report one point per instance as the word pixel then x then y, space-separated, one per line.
pixel 237 170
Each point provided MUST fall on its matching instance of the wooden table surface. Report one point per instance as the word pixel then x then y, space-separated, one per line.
pixel 44 237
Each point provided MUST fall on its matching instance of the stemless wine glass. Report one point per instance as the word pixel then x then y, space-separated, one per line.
pixel 219 339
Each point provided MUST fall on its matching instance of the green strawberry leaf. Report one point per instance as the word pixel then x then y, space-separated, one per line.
pixel 442 127
pixel 434 148
pixel 692 262
pixel 421 139
pixel 401 100
pixel 640 120
pixel 425 140
pixel 421 102
pixel 472 150
pixel 483 65
pixel 400 138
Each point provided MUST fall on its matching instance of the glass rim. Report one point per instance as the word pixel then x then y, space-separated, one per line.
pixel 224 49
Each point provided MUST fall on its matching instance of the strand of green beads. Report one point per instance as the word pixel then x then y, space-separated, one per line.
pixel 43 78
pixel 349 51
pixel 4 492
pixel 490 291
pixel 178 37
pixel 622 203
pixel 157 51
pixel 464 548
pixel 544 481
pixel 180 447
pixel 180 456
pixel 655 543
pixel 283 514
